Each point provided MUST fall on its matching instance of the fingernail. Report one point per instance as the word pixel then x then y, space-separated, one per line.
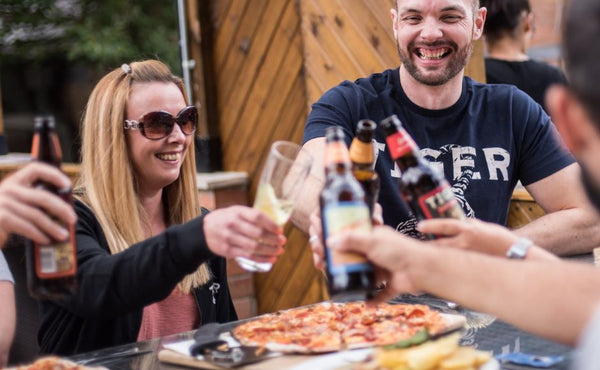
pixel 64 233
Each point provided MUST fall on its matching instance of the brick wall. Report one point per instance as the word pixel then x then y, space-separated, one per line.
pixel 241 282
pixel 241 286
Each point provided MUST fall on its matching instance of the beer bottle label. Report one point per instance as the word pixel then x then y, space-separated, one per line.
pixel 361 152
pixel 399 144
pixel 55 260
pixel 441 203
pixel 342 217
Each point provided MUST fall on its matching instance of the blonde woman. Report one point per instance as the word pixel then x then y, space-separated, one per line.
pixel 147 253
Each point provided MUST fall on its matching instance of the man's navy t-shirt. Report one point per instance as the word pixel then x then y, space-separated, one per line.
pixel 493 136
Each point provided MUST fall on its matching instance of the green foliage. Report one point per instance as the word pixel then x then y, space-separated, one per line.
pixel 104 33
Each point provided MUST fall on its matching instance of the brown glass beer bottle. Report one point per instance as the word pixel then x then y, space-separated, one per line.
pixel 363 161
pixel 423 188
pixel 51 268
pixel 343 208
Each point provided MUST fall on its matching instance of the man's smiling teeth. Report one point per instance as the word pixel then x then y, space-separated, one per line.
pixel 431 54
pixel 168 157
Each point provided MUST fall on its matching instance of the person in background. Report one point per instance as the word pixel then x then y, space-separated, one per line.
pixel 508 30
pixel 464 128
pixel 567 291
pixel 150 260
pixel 25 210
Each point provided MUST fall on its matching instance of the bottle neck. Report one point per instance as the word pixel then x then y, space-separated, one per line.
pixel 361 153
pixel 46 147
pixel 337 159
pixel 403 150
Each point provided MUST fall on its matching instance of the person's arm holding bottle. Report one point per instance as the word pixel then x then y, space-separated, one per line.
pixel 409 265
pixel 23 211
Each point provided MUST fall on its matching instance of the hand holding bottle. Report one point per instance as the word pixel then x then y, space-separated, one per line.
pixel 316 235
pixel 343 208
pixel 51 265
pixel 28 211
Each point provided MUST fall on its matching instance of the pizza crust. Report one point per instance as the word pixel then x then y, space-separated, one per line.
pixel 55 363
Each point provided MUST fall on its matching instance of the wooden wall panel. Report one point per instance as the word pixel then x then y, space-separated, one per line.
pixel 262 98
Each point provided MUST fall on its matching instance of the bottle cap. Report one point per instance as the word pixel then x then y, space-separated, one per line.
pixel 44 120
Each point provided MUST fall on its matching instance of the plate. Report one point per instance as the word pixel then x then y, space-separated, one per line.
pixel 452 322
pixel 345 360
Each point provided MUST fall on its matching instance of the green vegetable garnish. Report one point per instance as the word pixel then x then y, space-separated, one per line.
pixel 419 337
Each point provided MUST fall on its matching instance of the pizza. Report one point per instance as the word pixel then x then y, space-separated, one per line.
pixel 330 326
pixel 55 363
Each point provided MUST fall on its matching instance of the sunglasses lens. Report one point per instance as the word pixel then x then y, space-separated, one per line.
pixel 157 125
pixel 188 119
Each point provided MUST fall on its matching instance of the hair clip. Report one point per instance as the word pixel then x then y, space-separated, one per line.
pixel 126 68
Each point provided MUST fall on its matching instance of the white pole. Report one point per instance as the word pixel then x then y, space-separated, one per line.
pixel 186 64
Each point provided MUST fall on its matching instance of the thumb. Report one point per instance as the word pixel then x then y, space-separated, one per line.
pixel 349 241
pixel 440 226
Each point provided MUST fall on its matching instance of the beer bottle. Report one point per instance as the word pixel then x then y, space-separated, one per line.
pixel 423 188
pixel 363 161
pixel 342 201
pixel 51 268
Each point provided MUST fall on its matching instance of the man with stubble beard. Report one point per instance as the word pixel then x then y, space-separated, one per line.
pixel 484 138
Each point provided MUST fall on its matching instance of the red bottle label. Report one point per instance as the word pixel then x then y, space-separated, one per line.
pixel 400 144
pixel 441 203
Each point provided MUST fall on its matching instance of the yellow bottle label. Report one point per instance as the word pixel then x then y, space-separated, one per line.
pixel 342 217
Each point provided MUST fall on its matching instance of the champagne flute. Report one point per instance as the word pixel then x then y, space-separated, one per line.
pixel 283 175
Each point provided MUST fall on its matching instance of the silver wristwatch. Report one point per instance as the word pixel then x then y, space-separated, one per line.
pixel 519 249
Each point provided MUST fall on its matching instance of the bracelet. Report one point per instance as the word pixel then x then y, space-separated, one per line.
pixel 519 249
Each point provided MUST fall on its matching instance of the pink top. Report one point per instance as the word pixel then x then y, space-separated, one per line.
pixel 175 314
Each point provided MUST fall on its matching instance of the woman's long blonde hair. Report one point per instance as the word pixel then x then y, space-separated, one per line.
pixel 107 180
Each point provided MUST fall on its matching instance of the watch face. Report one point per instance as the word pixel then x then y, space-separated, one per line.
pixel 519 249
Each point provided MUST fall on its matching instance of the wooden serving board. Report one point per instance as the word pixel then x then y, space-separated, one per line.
pixel 281 362
pixel 453 322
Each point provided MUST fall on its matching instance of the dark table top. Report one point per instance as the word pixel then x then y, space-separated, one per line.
pixel 483 332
